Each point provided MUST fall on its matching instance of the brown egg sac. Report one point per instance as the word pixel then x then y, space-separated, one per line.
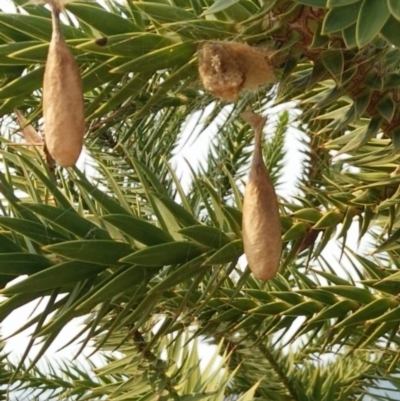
pixel 261 226
pixel 227 68
pixel 63 107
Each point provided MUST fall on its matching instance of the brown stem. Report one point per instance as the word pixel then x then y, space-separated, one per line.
pixel 156 363
pixel 286 381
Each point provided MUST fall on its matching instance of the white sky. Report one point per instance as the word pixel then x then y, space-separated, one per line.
pixel 7 6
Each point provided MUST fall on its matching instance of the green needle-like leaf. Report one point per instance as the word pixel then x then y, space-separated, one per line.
pixel 102 252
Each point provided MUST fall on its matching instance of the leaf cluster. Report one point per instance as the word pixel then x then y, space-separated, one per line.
pixel 122 242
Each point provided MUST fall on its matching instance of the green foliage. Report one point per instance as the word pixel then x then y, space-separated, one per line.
pixel 124 243
pixel 174 371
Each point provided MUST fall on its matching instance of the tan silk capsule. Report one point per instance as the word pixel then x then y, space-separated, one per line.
pixel 63 106
pixel 261 227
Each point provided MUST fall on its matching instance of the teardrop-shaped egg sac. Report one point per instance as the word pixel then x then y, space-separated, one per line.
pixel 261 226
pixel 63 105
